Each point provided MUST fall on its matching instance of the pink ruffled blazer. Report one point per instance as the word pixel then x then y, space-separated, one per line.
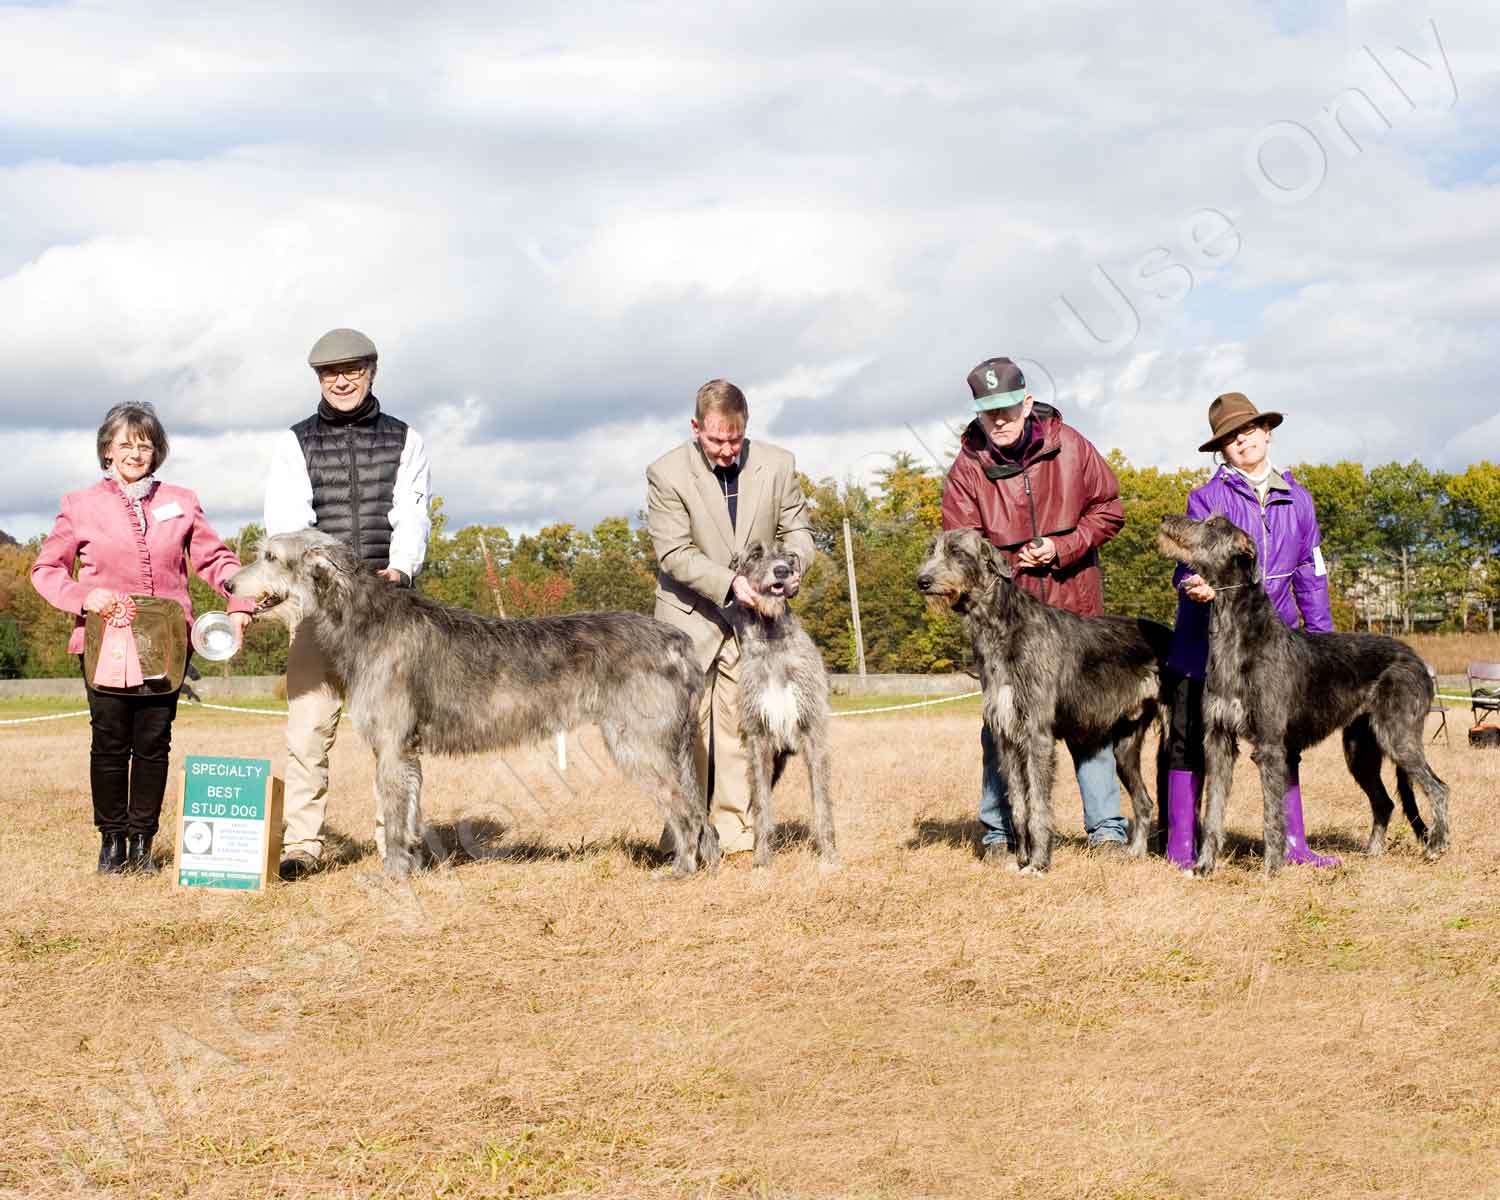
pixel 97 527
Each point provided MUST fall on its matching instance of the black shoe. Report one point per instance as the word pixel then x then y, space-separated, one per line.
pixel 138 855
pixel 297 865
pixel 111 853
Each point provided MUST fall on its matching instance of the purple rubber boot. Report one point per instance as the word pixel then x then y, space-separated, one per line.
pixel 1297 852
pixel 1183 790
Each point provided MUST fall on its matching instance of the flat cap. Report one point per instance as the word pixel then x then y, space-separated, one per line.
pixel 339 346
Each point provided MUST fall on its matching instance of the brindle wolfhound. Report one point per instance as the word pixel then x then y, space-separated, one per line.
pixel 1049 674
pixel 1284 691
pixel 419 675
pixel 783 694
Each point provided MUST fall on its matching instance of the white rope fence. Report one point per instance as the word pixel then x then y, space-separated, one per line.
pixel 864 712
pixel 82 712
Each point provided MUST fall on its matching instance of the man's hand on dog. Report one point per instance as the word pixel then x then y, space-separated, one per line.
pixel 743 592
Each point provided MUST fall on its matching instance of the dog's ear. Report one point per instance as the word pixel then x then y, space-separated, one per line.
pixel 323 565
pixel 1243 543
pixel 1243 546
pixel 994 560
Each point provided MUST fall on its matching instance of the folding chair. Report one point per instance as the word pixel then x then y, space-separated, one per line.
pixel 1484 689
pixel 1438 707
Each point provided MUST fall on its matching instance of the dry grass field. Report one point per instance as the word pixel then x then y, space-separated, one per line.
pixel 539 1018
pixel 1450 653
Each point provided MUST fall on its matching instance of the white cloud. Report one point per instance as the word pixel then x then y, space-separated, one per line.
pixel 558 222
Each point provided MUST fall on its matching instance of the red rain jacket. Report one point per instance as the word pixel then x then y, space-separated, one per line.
pixel 1074 494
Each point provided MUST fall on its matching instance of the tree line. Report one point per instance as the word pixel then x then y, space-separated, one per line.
pixel 1407 548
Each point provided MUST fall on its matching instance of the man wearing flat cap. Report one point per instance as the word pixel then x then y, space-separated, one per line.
pixel 1039 491
pixel 360 474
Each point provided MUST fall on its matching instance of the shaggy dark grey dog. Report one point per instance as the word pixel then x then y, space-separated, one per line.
pixel 1284 691
pixel 783 694
pixel 1049 674
pixel 420 675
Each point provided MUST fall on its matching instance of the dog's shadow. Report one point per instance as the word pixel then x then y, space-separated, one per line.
pixel 936 831
pixel 1240 844
pixel 481 839
pixel 788 835
pixel 446 843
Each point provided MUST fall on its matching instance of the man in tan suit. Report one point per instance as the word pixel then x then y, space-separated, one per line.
pixel 706 501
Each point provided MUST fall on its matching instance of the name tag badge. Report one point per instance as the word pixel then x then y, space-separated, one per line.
pixel 165 512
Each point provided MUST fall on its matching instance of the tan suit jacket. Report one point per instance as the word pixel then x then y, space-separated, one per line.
pixel 689 525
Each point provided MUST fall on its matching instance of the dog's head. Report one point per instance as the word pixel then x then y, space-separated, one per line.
pixel 773 571
pixel 1216 549
pixel 295 574
pixel 960 564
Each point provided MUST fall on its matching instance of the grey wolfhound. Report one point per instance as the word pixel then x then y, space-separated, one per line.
pixel 1284 691
pixel 1049 674
pixel 783 694
pixel 419 675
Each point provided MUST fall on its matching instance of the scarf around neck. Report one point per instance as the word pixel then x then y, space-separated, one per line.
pixel 1261 485
pixel 135 494
pixel 368 410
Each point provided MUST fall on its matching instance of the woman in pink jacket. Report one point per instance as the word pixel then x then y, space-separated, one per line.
pixel 130 534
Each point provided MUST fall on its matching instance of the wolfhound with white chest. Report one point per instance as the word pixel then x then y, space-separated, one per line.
pixel 419 675
pixel 1284 691
pixel 1049 674
pixel 783 694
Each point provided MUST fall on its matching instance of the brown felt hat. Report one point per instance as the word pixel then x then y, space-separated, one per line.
pixel 1232 411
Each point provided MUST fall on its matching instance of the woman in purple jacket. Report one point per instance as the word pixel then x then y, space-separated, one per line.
pixel 130 533
pixel 1277 512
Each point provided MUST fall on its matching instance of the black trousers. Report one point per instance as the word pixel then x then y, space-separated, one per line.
pixel 1185 739
pixel 132 744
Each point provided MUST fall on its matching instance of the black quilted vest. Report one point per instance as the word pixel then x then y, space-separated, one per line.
pixel 353 472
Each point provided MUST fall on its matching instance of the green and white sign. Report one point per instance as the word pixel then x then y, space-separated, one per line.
pixel 229 827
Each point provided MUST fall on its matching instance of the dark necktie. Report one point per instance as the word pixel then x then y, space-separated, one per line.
pixel 729 484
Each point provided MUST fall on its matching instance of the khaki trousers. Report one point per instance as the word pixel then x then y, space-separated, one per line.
pixel 719 747
pixel 312 721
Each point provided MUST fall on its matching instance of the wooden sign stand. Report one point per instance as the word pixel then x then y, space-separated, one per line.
pixel 228 824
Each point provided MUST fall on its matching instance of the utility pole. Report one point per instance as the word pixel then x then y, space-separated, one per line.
pixel 1405 594
pixel 859 637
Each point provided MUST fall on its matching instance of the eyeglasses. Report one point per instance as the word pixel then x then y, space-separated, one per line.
pixel 1004 416
pixel 133 448
pixel 352 372
pixel 1246 431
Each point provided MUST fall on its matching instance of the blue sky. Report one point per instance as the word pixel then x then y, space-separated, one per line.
pixel 557 222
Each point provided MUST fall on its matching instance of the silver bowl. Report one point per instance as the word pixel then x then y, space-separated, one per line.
pixel 213 636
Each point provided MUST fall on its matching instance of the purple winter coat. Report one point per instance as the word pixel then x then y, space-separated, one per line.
pixel 1287 543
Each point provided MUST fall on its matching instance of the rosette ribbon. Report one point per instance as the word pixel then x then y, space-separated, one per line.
pixel 119 664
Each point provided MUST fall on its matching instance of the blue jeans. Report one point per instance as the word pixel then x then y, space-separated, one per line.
pixel 1096 780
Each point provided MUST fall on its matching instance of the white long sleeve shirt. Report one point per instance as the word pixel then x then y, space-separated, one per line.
pixel 289 493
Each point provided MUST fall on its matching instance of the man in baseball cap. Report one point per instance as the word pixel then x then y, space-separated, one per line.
pixel 1041 493
pixel 360 474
